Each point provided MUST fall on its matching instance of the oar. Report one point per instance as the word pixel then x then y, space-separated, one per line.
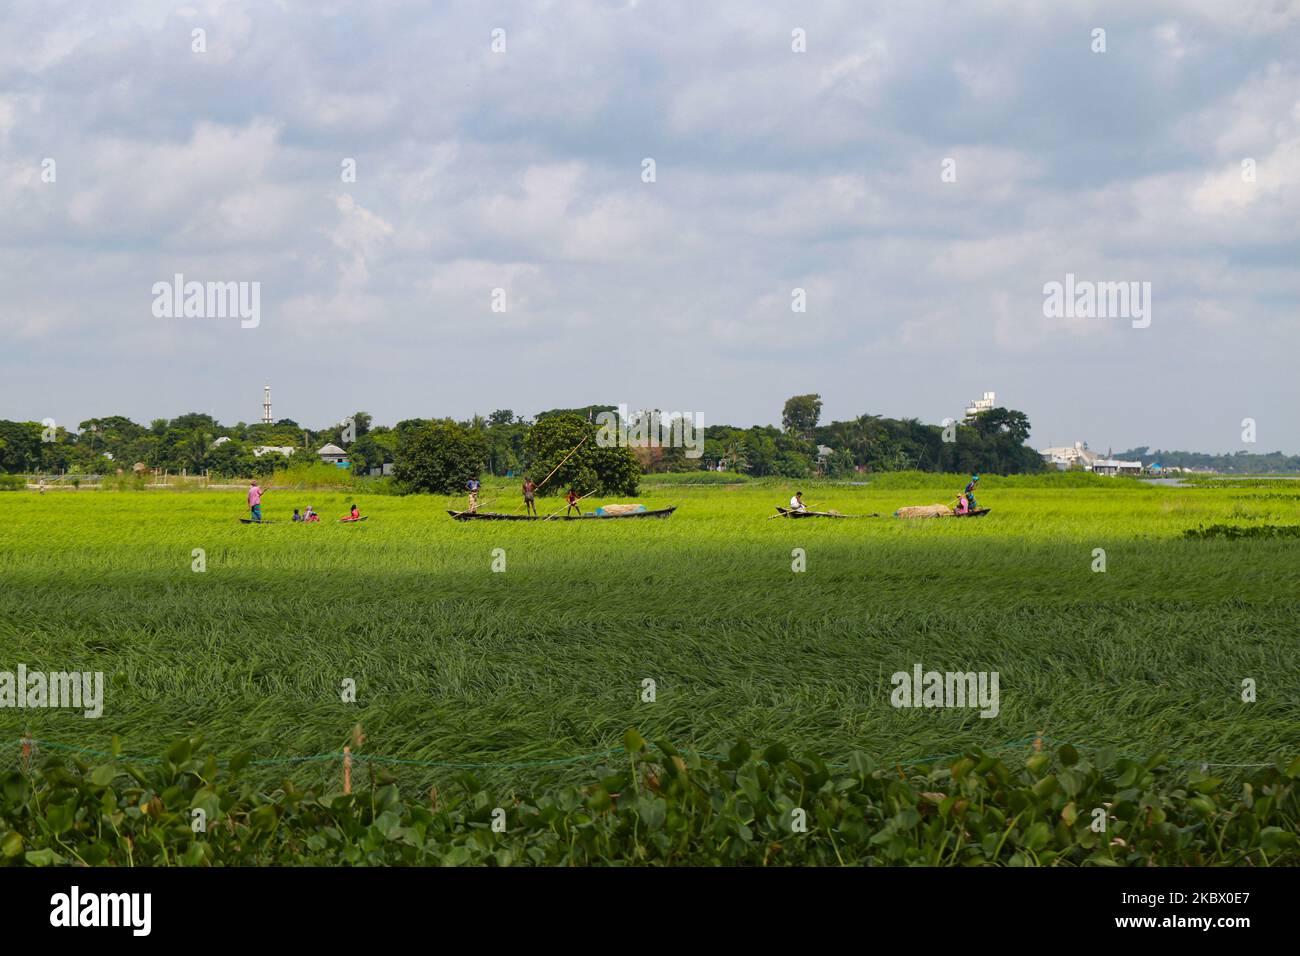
pixel 567 505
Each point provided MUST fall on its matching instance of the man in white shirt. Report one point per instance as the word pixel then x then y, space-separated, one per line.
pixel 796 503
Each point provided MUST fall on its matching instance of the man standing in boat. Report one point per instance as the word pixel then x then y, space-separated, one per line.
pixel 473 487
pixel 530 492
pixel 970 492
pixel 255 501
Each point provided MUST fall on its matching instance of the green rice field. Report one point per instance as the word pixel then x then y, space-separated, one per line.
pixel 532 673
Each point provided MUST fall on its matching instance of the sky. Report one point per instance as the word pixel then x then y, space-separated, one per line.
pixel 920 171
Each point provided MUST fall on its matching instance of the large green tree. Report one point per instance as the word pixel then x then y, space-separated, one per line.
pixel 439 458
pixel 607 471
pixel 800 415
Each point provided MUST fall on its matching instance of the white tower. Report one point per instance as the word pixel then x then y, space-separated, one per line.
pixel 266 405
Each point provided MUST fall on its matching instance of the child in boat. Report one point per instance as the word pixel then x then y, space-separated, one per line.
pixel 354 514
pixel 297 516
pixel 572 499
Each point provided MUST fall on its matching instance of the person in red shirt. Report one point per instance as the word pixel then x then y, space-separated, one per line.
pixel 573 499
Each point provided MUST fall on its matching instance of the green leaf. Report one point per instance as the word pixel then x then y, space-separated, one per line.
pixel 103 775
pixel 633 742
pixel 46 857
pixel 12 844
pixel 179 752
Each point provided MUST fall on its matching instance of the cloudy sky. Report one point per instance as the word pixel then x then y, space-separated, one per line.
pixel 523 170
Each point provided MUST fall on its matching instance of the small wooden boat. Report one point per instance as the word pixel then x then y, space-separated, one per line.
pixel 495 516
pixel 977 513
pixel 790 513
pixel 350 520
pixel 251 521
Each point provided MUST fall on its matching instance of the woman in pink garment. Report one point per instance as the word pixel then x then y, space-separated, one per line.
pixel 255 501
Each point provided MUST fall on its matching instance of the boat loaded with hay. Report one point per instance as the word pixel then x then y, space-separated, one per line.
pixel 938 511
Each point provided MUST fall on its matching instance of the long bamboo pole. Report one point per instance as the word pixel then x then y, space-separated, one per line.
pixel 562 461
pixel 567 506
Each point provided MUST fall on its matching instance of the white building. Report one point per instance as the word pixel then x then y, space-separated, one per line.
pixel 1113 466
pixel 332 455
pixel 1066 457
pixel 261 450
pixel 985 404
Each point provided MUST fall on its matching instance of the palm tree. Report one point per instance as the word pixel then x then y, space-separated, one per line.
pixel 196 449
pixel 735 456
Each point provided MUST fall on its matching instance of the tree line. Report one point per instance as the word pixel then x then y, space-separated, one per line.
pixel 441 454
pixel 1240 463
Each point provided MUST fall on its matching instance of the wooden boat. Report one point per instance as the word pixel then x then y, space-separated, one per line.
pixel 351 520
pixel 251 521
pixel 977 513
pixel 495 516
pixel 790 513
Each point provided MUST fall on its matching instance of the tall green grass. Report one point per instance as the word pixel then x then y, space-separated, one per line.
pixel 457 664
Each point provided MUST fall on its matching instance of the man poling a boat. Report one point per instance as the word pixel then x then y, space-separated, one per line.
pixel 255 501
pixel 530 493
pixel 572 500
pixel 970 492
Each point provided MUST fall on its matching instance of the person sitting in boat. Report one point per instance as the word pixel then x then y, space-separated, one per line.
pixel 530 492
pixel 963 505
pixel 310 514
pixel 297 516
pixel 796 503
pixel 572 499
pixel 970 491
pixel 355 513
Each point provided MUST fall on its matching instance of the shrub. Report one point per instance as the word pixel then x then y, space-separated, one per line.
pixel 663 807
